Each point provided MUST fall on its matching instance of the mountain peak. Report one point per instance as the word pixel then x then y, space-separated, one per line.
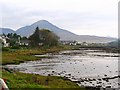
pixel 42 21
pixel 44 24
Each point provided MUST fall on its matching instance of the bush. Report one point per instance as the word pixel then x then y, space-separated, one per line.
pixel 5 49
pixel 15 47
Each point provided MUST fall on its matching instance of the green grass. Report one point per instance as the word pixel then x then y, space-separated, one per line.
pixel 17 56
pixel 22 80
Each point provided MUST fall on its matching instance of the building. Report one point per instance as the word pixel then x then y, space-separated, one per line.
pixel 4 40
pixel 24 42
pixel 68 42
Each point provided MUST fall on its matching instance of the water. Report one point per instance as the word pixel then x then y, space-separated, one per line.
pixel 86 67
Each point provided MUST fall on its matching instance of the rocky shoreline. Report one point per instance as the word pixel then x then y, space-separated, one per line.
pixel 68 76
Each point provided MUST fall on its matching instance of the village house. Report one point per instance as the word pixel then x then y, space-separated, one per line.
pixel 3 40
pixel 24 42
pixel 68 42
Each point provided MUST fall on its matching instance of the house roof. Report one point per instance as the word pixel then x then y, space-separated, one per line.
pixel 25 41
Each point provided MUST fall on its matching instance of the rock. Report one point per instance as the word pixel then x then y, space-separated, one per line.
pixel 106 80
pixel 99 86
pixel 108 86
pixel 49 74
pixel 110 71
pixel 105 75
pixel 99 79
pixel 53 71
pixel 90 82
pixel 94 79
pixel 107 66
pixel 69 74
pixel 59 74
pixel 98 75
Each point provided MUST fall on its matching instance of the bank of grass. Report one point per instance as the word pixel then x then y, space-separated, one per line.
pixel 19 80
pixel 16 56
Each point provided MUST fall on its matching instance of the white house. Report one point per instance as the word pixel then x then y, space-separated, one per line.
pixel 4 42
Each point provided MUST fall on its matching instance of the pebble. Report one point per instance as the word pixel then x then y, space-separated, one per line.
pixel 105 75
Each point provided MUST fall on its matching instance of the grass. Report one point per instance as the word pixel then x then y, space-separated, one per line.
pixel 21 80
pixel 17 56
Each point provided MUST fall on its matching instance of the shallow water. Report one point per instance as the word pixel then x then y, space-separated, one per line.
pixel 89 67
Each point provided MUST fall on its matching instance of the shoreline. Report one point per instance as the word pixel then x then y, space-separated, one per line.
pixel 6 73
pixel 93 88
pixel 99 87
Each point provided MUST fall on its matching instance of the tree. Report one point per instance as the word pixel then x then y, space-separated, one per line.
pixel 43 37
pixel 14 39
pixel 35 38
pixel 24 38
pixel 48 37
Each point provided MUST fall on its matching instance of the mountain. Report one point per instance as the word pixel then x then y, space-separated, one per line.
pixel 6 30
pixel 95 39
pixel 114 43
pixel 63 34
pixel 28 30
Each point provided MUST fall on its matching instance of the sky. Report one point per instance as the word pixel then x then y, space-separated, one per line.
pixel 82 17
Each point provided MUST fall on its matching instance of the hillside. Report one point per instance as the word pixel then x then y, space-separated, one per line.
pixel 62 33
pixel 6 30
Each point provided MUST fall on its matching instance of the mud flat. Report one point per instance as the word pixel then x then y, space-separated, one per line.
pixel 89 68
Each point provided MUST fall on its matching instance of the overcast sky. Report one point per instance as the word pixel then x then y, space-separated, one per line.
pixel 83 17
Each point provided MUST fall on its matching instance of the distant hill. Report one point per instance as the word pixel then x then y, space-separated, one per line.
pixel 6 30
pixel 62 33
pixel 114 43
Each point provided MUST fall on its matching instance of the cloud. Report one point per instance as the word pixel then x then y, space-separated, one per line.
pixel 78 16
